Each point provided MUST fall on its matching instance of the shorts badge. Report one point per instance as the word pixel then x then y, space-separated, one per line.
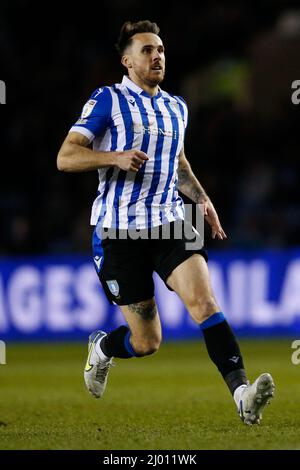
pixel 113 287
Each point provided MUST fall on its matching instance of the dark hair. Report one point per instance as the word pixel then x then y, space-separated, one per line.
pixel 129 29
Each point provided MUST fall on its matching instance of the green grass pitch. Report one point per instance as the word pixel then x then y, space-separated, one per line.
pixel 175 399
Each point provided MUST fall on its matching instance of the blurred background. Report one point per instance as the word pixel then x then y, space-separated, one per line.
pixel 234 63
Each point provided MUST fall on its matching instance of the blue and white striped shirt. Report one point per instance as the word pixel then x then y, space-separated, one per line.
pixel 124 117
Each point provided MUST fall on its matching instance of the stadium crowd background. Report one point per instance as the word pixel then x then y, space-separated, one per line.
pixel 233 62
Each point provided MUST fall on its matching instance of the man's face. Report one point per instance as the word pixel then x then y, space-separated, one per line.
pixel 145 58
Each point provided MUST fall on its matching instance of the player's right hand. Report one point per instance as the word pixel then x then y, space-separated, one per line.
pixel 131 160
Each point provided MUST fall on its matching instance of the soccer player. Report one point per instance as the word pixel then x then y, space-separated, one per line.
pixel 137 131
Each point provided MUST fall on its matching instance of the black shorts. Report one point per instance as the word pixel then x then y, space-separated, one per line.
pixel 125 266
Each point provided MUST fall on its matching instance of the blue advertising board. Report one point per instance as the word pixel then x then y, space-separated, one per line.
pixel 61 298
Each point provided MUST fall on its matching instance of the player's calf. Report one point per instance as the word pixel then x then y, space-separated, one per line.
pixel 201 308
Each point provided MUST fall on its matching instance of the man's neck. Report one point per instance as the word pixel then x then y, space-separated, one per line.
pixel 151 90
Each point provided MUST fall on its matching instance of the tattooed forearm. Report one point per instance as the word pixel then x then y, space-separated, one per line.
pixel 183 176
pixel 146 310
pixel 189 185
pixel 197 195
pixel 187 181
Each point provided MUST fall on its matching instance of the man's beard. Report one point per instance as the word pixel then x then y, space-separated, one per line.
pixel 150 81
pixel 156 82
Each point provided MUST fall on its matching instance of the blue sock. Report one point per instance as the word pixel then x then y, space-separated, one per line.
pixel 224 350
pixel 213 320
pixel 128 345
pixel 117 344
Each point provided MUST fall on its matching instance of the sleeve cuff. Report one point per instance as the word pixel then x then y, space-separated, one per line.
pixel 83 131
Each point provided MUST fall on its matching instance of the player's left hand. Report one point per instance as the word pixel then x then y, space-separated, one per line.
pixel 211 216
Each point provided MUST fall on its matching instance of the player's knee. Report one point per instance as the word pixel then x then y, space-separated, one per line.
pixel 147 347
pixel 203 307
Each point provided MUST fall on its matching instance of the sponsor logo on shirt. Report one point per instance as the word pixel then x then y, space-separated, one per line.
pixel 154 130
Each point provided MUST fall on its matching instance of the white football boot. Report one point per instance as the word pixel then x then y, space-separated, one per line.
pixel 254 398
pixel 96 369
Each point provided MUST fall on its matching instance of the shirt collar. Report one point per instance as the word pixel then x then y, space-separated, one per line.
pixel 136 89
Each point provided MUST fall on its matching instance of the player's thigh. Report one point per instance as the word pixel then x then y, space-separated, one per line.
pixel 191 281
pixel 124 270
pixel 143 320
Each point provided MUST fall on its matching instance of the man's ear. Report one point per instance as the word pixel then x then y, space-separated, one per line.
pixel 126 61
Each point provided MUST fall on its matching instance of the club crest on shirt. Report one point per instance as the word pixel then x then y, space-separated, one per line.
pixel 88 108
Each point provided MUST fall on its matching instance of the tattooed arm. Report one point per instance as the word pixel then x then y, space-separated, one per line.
pixel 190 187
pixel 187 181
